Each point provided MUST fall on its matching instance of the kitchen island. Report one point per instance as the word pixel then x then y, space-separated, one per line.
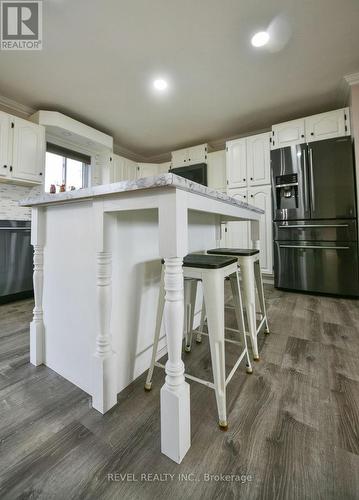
pixel 97 267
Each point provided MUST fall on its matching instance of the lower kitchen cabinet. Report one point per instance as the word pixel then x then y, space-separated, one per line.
pixel 238 233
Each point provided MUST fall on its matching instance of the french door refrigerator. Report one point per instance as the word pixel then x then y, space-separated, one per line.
pixel 315 217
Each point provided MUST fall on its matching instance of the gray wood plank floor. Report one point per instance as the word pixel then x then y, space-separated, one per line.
pixel 293 424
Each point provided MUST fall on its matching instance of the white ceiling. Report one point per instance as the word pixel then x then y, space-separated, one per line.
pixel 100 57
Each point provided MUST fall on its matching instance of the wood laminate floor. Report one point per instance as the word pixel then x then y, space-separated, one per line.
pixel 293 424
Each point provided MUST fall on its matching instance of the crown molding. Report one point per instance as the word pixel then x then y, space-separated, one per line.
pixel 128 153
pixel 352 79
pixel 344 88
pixel 15 107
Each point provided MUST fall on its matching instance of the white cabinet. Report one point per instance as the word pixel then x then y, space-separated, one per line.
pixel 258 159
pixel 216 170
pixel 260 197
pixel 189 156
pixel 28 151
pixel 4 144
pixel 248 178
pixel 147 170
pixel 288 133
pixel 327 125
pixel 237 233
pixel 123 169
pixel 311 128
pixel 22 150
pixel 236 163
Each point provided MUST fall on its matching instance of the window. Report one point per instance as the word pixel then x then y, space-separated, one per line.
pixel 65 167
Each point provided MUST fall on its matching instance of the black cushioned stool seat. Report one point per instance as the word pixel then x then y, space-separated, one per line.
pixel 204 261
pixel 238 252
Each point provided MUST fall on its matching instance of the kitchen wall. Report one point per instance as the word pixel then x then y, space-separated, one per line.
pixel 10 194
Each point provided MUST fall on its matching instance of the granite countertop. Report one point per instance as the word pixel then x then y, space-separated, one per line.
pixel 158 181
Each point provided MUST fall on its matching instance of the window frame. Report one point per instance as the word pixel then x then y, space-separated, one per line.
pixel 62 153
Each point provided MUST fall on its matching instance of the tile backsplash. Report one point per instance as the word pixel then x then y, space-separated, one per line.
pixel 10 194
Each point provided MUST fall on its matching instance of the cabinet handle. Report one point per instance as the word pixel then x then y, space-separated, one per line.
pixel 251 195
pixel 40 173
pixel 10 169
pixel 244 180
pixel 5 166
pixel 251 178
pixel 244 196
pixel 302 136
pixel 312 133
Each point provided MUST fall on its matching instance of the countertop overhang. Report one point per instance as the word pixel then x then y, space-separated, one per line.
pixel 169 181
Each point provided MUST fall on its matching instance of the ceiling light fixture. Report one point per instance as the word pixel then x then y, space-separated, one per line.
pixel 160 84
pixel 260 39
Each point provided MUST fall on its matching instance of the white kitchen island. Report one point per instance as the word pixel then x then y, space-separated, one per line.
pixel 97 268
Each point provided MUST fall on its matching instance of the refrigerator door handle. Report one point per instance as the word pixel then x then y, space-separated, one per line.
pixel 314 247
pixel 312 195
pixel 313 225
pixel 305 178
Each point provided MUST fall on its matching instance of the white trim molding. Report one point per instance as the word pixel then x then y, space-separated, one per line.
pixel 352 79
pixel 14 107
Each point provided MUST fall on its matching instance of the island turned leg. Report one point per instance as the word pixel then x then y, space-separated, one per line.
pixel 175 398
pixel 104 394
pixel 37 331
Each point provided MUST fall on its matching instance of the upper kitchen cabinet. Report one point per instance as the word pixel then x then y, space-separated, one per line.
pixel 189 156
pixel 288 133
pixel 216 170
pixel 236 163
pixel 22 150
pixel 258 159
pixel 311 128
pixel 123 169
pixel 327 125
pixel 248 161
pixel 28 151
pixel 4 144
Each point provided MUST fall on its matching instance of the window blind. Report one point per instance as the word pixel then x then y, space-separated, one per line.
pixel 68 153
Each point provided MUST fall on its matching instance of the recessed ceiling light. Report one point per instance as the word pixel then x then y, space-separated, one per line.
pixel 259 39
pixel 160 84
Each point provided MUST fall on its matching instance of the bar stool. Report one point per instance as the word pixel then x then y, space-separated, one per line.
pixel 248 261
pixel 211 270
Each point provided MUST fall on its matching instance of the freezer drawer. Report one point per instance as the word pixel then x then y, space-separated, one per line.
pixel 314 230
pixel 324 267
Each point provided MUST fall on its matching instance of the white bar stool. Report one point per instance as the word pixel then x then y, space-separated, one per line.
pixel 248 261
pixel 211 270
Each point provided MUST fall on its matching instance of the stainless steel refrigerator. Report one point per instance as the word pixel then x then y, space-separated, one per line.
pixel 315 217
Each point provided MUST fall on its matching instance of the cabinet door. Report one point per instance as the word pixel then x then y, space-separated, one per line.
pixel 148 169
pixel 326 125
pixel 216 170
pixel 117 168
pixel 28 151
pixel 197 154
pixel 236 163
pixel 4 144
pixel 131 170
pixel 180 158
pixel 237 235
pixel 258 159
pixel 288 134
pixel 260 197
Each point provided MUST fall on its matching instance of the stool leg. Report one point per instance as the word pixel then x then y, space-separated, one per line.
pixel 259 282
pixel 247 271
pixel 201 325
pixel 213 290
pixel 238 307
pixel 190 290
pixel 160 307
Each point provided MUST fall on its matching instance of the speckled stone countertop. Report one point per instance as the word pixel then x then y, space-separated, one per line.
pixel 158 181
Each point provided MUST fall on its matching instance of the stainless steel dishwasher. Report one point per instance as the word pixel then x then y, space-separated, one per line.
pixel 16 260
